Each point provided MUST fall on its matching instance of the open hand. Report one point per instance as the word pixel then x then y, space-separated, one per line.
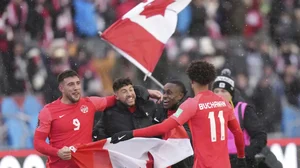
pixel 155 94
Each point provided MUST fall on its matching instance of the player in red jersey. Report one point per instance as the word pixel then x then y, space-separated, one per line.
pixel 68 121
pixel 208 116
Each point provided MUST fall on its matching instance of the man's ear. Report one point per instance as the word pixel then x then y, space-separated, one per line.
pixel 60 87
pixel 116 95
pixel 182 95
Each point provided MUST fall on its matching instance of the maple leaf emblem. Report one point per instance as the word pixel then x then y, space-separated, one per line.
pixel 157 7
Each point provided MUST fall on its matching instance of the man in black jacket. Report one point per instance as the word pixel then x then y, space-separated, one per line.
pixel 130 112
pixel 174 94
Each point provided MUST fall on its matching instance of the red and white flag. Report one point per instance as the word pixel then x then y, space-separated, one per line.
pixel 134 153
pixel 141 34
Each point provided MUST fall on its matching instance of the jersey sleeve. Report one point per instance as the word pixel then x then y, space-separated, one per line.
pixel 185 111
pixel 231 114
pixel 44 121
pixel 99 102
pixel 230 110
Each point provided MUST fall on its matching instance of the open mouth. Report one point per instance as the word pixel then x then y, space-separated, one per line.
pixel 75 94
pixel 131 99
pixel 165 103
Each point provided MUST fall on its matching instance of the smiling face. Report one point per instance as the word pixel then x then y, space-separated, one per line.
pixel 172 95
pixel 126 95
pixel 70 88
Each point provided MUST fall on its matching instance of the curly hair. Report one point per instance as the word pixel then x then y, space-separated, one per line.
pixel 121 82
pixel 201 72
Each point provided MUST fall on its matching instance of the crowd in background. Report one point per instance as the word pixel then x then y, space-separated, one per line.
pixel 258 40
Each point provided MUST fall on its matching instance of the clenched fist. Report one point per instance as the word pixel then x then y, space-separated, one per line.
pixel 64 153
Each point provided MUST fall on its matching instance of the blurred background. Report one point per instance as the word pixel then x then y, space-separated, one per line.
pixel 258 40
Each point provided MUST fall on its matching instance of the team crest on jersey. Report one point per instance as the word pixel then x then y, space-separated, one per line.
pixel 84 109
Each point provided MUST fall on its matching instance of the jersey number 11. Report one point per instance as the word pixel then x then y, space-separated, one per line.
pixel 213 132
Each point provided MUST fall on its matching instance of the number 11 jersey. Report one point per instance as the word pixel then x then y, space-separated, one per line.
pixel 207 115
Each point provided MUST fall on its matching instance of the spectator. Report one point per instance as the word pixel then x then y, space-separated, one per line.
pixel 254 135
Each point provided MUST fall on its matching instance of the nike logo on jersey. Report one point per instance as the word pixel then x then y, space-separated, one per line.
pixel 119 138
pixel 61 116
pixel 155 119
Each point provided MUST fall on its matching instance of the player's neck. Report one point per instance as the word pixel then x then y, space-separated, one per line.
pixel 199 89
pixel 65 100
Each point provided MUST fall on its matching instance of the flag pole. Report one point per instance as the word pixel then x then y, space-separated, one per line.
pixel 154 80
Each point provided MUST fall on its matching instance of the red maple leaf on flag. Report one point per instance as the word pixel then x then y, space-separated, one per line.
pixel 157 7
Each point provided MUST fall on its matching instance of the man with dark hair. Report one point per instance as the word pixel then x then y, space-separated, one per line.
pixel 208 115
pixel 130 112
pixel 67 121
pixel 175 93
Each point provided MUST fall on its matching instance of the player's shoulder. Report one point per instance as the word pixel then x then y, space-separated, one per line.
pixel 86 99
pixel 93 98
pixel 52 104
pixel 191 101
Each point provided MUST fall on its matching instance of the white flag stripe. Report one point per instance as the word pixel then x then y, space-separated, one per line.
pixel 172 148
pixel 161 27
pixel 166 28
pixel 119 160
pixel 178 5
pixel 134 153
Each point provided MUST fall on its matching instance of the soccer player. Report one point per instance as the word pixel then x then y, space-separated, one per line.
pixel 208 115
pixel 68 121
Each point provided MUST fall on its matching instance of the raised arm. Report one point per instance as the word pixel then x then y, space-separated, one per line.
pixel 101 103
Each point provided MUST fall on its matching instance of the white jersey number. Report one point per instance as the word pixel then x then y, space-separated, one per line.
pixel 76 124
pixel 213 132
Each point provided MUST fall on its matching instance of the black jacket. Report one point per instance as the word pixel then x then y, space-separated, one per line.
pixel 118 118
pixel 254 127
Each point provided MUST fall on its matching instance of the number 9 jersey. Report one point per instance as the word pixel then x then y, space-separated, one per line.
pixel 207 115
pixel 69 124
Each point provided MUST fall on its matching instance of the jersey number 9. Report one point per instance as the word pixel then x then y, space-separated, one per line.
pixel 76 123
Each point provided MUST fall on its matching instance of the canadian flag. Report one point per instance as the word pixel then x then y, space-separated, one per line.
pixel 134 153
pixel 141 34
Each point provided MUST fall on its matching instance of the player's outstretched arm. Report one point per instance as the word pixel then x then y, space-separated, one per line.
pixel 41 134
pixel 185 111
pixel 154 130
pixel 101 103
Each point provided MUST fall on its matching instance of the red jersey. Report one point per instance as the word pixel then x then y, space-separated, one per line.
pixel 69 124
pixel 207 115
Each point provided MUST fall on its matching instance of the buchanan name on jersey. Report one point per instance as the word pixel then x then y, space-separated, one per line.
pixel 210 105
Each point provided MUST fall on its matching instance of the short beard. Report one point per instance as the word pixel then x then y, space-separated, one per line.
pixel 71 99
